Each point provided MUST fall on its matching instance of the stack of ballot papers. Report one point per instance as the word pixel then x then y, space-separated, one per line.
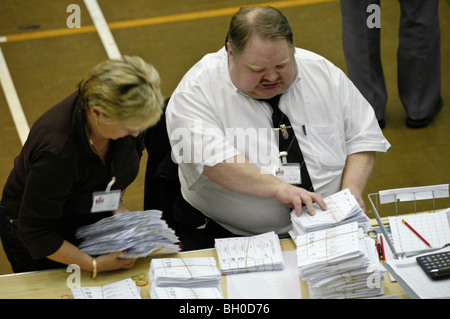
pixel 339 262
pixel 124 289
pixel 173 278
pixel 138 233
pixel 184 272
pixel 342 208
pixel 246 254
pixel 185 293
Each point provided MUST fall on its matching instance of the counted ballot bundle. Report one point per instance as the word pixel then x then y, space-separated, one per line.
pixel 185 293
pixel 185 278
pixel 246 254
pixel 138 233
pixel 342 208
pixel 184 272
pixel 339 262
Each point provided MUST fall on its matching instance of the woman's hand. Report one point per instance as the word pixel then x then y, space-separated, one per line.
pixel 111 261
pixel 121 209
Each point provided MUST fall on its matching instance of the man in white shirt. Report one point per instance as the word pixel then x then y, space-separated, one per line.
pixel 220 128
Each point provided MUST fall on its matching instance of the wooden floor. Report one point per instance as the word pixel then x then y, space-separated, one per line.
pixel 46 60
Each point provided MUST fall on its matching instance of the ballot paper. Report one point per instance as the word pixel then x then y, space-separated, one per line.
pixel 185 293
pixel 282 284
pixel 434 227
pixel 363 281
pixel 138 233
pixel 246 254
pixel 184 272
pixel 342 208
pixel 124 289
pixel 339 262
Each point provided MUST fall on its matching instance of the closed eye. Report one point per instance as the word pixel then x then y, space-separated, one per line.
pixel 256 69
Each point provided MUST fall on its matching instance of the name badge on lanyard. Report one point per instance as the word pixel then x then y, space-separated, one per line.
pixel 288 172
pixel 106 201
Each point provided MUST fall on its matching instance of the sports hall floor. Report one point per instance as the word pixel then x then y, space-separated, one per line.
pixel 46 60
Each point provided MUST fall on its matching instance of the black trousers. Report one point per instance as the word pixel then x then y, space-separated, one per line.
pixel 196 230
pixel 418 56
pixel 18 255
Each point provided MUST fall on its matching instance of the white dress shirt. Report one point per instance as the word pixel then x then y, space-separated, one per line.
pixel 209 121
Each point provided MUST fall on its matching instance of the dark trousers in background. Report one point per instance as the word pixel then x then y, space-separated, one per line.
pixel 418 56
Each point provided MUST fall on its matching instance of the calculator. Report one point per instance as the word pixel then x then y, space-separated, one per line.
pixel 437 265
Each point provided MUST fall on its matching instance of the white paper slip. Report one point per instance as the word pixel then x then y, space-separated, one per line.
pixel 328 246
pixel 283 284
pixel 184 272
pixel 124 289
pixel 245 254
pixel 433 227
pixel 342 208
pixel 185 293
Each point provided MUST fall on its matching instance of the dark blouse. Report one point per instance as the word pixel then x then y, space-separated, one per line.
pixel 50 187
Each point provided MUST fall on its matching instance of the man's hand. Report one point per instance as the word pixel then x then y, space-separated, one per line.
pixel 246 178
pixel 295 197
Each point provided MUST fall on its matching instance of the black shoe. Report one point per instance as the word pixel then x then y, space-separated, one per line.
pixel 425 121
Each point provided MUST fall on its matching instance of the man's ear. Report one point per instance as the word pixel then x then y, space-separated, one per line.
pixel 229 50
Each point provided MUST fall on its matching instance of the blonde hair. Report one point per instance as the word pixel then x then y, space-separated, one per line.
pixel 124 90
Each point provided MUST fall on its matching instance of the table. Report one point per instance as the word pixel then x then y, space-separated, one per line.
pixel 52 284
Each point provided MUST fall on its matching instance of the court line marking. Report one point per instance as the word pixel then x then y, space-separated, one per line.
pixel 12 100
pixel 7 83
pixel 102 29
pixel 197 15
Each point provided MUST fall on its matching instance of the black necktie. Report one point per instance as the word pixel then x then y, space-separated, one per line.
pixel 288 142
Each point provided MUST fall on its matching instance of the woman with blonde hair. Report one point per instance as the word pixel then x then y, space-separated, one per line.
pixel 88 144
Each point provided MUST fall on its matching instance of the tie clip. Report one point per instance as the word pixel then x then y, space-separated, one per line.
pixel 282 127
pixel 284 131
pixel 283 156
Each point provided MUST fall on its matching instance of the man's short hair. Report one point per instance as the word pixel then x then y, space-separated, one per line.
pixel 266 21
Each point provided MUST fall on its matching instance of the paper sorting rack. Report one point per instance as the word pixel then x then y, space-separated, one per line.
pixel 401 195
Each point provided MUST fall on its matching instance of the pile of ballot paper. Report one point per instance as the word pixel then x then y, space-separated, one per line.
pixel 339 262
pixel 185 293
pixel 189 278
pixel 342 208
pixel 184 272
pixel 246 254
pixel 123 289
pixel 138 233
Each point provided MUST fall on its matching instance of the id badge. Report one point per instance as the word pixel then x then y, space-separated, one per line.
pixel 289 172
pixel 106 201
